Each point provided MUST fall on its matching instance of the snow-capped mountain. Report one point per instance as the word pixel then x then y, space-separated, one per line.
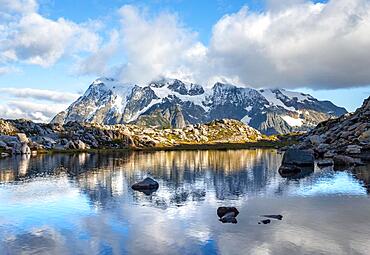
pixel 171 102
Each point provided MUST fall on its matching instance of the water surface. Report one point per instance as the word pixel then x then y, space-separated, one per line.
pixel 83 204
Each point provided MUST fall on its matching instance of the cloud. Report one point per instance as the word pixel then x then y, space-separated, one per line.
pixel 28 37
pixel 306 44
pixel 37 112
pixel 39 94
pixel 156 46
pixel 8 69
pixel 291 44
pixel 97 63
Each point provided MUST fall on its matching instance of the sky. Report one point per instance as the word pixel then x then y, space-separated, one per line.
pixel 51 50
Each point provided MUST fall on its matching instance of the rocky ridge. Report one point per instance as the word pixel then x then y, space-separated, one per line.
pixel 345 139
pixel 22 136
pixel 173 103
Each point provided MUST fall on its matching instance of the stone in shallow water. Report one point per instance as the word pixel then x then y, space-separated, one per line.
pixel 148 184
pixel 227 214
pixel 274 216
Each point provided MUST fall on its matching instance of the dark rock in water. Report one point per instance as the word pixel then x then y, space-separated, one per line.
pixel 341 160
pixel 276 217
pixel 299 157
pixel 148 184
pixel 265 222
pixel 229 217
pixel 325 162
pixel 222 211
pixel 228 214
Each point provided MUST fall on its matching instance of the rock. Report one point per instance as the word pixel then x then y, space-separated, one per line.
pixel 276 217
pixel 227 214
pixel 265 222
pixel 365 136
pixel 341 160
pixel 22 138
pixel 221 211
pixel 146 184
pixel 229 218
pixel 353 149
pixel 80 145
pixel 315 140
pixel 325 162
pixel 298 157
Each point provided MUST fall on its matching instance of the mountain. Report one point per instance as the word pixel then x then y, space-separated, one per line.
pixel 173 103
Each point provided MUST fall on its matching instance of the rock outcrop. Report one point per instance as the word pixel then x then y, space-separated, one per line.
pixel 347 136
pixel 21 136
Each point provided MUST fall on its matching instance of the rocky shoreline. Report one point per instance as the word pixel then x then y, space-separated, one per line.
pixel 25 137
pixel 344 141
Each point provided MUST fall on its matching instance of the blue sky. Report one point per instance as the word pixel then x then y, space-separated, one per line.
pixel 78 41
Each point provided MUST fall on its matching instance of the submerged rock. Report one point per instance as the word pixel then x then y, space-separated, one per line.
pixel 273 216
pixel 148 184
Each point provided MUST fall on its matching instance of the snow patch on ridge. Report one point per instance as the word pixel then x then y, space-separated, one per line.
pixel 293 122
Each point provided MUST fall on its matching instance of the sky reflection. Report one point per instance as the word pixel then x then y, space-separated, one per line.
pixel 83 204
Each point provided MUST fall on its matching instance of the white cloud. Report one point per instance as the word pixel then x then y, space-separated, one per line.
pixel 97 63
pixel 18 6
pixel 296 45
pixel 26 36
pixel 37 112
pixel 40 94
pixel 156 46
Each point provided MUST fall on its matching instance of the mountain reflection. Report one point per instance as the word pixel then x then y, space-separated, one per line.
pixel 184 176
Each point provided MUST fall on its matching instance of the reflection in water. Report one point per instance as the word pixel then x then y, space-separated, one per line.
pixel 83 204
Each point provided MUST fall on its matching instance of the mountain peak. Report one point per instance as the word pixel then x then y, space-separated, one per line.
pixel 172 102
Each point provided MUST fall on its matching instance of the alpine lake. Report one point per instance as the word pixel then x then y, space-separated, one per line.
pixel 84 204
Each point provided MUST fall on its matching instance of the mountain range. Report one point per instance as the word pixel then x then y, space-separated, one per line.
pixel 174 103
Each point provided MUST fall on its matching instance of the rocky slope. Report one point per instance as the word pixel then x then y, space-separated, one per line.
pixel 347 135
pixel 173 103
pixel 18 135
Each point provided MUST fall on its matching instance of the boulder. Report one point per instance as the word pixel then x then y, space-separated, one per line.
pixel 353 149
pixel 22 138
pixel 227 214
pixel 325 162
pixel 221 211
pixel 315 140
pixel 298 157
pixel 146 184
pixel 341 160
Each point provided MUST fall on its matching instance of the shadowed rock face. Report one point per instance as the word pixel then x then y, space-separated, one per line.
pixel 171 102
